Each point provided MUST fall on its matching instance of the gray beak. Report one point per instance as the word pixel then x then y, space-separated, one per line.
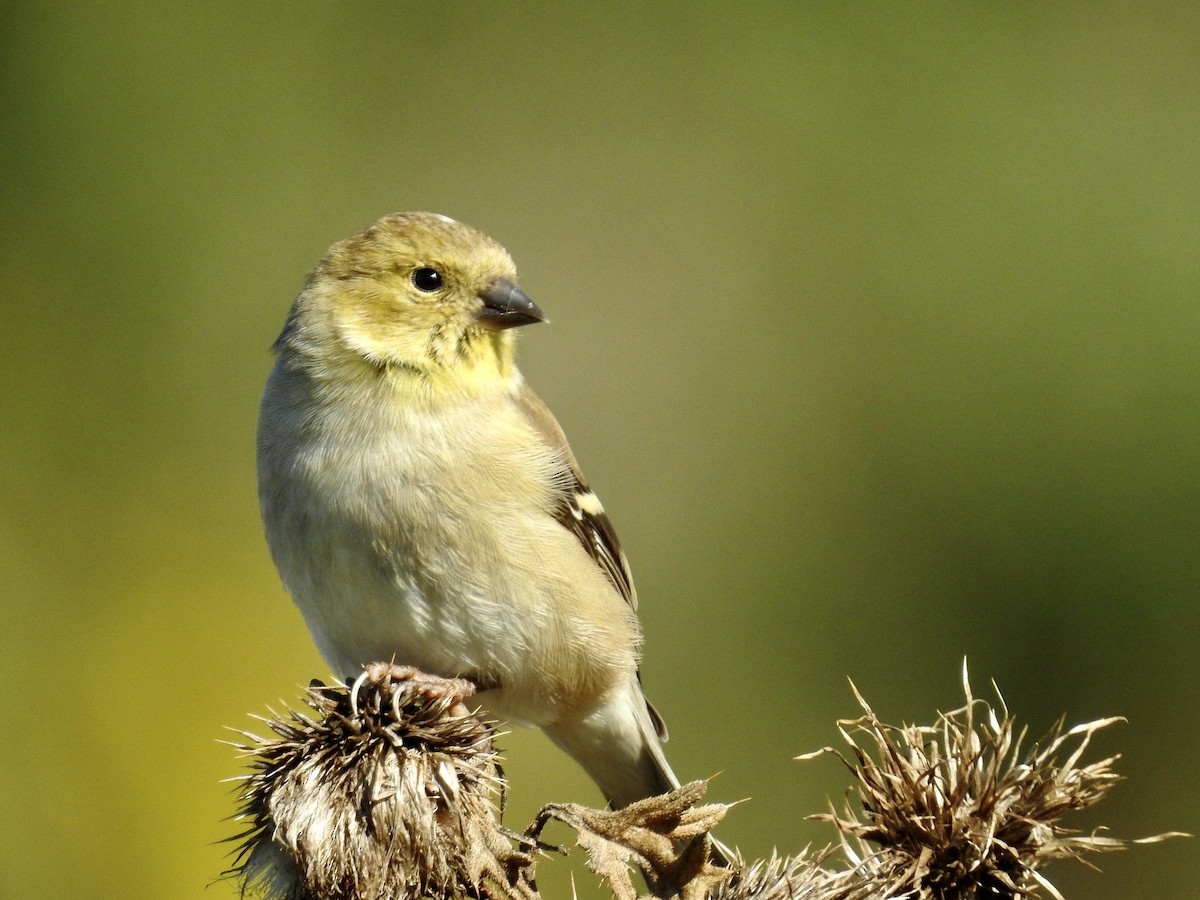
pixel 506 306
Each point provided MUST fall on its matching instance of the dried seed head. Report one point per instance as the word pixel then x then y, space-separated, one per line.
pixel 387 792
pixel 799 877
pixel 961 810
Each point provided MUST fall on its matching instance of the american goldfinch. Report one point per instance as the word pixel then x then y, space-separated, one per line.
pixel 423 507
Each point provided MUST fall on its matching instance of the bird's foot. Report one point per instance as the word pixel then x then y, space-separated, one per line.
pixel 408 683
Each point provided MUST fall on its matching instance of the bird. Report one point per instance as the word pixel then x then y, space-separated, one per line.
pixel 423 506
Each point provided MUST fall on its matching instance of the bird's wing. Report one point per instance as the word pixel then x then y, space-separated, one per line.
pixel 579 510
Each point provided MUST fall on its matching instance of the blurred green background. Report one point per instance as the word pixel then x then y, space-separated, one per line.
pixel 875 325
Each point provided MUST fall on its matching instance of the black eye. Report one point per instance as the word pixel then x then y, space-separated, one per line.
pixel 427 279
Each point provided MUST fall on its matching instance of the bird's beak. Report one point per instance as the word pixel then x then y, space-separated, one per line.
pixel 505 306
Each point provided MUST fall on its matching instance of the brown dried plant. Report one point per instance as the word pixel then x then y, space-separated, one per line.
pixel 389 791
pixel 962 809
pixel 665 836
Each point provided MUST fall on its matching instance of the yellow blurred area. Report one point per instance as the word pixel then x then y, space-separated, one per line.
pixel 875 326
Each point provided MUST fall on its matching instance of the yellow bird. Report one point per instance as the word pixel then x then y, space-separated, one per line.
pixel 423 506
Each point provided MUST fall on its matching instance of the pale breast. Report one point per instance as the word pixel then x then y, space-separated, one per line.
pixel 429 539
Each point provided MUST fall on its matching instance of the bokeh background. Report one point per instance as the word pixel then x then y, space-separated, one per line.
pixel 876 326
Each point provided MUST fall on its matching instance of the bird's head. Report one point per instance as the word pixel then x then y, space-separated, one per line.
pixel 417 293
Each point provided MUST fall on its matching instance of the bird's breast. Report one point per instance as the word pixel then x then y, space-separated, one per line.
pixel 428 538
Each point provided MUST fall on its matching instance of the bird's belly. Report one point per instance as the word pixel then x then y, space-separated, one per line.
pixel 483 604
pixel 391 554
pixel 365 615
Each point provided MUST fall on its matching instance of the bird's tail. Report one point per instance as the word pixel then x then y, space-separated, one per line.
pixel 619 745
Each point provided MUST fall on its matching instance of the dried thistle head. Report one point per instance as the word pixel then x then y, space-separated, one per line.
pixel 386 792
pixel 666 836
pixel 802 876
pixel 960 810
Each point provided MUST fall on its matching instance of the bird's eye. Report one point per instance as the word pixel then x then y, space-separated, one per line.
pixel 427 279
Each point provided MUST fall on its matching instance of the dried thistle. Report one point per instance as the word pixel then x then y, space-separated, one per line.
pixel 665 836
pixel 387 792
pixel 960 810
pixel 799 877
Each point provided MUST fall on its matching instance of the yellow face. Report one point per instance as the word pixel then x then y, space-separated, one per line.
pixel 415 291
